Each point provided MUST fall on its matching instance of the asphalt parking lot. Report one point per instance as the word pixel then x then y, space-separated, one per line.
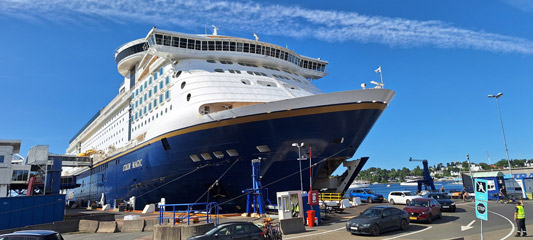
pixel 461 224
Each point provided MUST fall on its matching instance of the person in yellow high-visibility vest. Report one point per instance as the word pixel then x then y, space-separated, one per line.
pixel 520 219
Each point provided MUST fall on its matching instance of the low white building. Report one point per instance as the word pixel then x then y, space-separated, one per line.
pixel 7 149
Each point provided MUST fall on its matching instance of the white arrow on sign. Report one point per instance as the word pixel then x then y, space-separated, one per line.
pixel 469 226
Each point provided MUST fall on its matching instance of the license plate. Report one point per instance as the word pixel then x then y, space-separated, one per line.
pixel 412 218
pixel 354 228
pixel 445 206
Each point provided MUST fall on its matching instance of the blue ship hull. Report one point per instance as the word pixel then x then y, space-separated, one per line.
pixel 162 167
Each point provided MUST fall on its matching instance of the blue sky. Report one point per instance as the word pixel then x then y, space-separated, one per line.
pixel 442 59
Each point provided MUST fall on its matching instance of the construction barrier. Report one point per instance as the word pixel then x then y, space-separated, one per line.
pixel 192 230
pixel 88 226
pixel 167 232
pixel 292 225
pixel 133 225
pixel 108 227
pixel 149 224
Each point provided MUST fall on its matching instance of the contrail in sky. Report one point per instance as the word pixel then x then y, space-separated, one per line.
pixel 270 19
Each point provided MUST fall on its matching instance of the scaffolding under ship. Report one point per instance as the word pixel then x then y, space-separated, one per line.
pixel 194 110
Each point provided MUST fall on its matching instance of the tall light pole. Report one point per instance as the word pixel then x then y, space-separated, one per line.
pixel 299 146
pixel 503 131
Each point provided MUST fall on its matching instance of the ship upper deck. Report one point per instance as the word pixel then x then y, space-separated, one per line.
pixel 179 45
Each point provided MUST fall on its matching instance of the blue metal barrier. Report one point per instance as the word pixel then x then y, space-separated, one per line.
pixel 187 211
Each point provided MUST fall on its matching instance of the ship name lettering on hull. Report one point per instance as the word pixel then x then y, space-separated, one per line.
pixel 135 164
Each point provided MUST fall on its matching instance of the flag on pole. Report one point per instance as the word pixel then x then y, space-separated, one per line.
pixel 378 70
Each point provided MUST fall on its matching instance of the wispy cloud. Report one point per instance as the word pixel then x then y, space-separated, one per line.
pixel 523 5
pixel 273 19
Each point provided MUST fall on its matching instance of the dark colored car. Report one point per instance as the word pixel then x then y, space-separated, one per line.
pixel 423 209
pixel 32 235
pixel 232 230
pixel 378 219
pixel 366 195
pixel 446 204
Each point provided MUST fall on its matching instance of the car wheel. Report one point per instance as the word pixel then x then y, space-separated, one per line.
pixel 430 218
pixel 370 200
pixel 392 201
pixel 440 215
pixel 374 230
pixel 407 202
pixel 405 224
pixel 454 208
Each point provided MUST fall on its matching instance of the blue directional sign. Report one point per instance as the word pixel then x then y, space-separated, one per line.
pixel 482 193
pixel 481 210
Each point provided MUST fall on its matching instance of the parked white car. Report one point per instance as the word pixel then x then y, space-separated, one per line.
pixel 401 197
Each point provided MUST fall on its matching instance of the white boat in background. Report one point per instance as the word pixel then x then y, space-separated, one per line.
pixel 458 181
pixel 411 181
pixel 359 184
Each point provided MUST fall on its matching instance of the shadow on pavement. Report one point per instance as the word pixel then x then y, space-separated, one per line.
pixel 412 228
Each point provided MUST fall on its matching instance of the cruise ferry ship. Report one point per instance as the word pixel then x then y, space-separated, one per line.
pixel 195 110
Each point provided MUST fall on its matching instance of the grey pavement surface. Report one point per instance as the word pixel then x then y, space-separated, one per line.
pixel 498 226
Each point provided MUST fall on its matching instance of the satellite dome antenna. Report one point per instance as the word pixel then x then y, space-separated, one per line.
pixel 215 33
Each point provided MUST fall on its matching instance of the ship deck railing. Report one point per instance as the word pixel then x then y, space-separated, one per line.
pixel 189 212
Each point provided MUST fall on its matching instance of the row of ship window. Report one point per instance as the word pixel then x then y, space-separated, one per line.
pixel 212 45
pixel 143 111
pixel 148 120
pixel 251 65
pixel 256 73
pixel 108 129
pixel 259 74
pixel 152 79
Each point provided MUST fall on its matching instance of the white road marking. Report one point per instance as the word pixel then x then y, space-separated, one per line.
pixel 510 222
pixel 469 226
pixel 314 234
pixel 407 234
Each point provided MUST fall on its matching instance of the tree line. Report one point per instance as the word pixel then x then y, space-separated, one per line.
pixel 374 174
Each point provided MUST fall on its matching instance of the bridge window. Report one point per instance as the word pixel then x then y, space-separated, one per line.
pixel 190 43
pixel 158 39
pixel 166 40
pixel 225 46
pixel 175 41
pixel 198 45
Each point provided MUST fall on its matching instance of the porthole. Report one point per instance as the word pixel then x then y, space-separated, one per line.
pixel 219 70
pixel 177 74
pixel 188 97
pixel 170 107
pixel 245 82
pixel 183 84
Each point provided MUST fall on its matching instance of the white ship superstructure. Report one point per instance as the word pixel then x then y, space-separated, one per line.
pixel 173 80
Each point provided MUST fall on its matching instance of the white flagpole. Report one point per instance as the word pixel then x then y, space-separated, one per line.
pixel 381 75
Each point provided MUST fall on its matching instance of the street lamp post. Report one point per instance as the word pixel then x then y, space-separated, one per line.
pixel 503 131
pixel 299 146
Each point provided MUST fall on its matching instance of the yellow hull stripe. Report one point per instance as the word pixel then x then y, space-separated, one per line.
pixel 254 118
